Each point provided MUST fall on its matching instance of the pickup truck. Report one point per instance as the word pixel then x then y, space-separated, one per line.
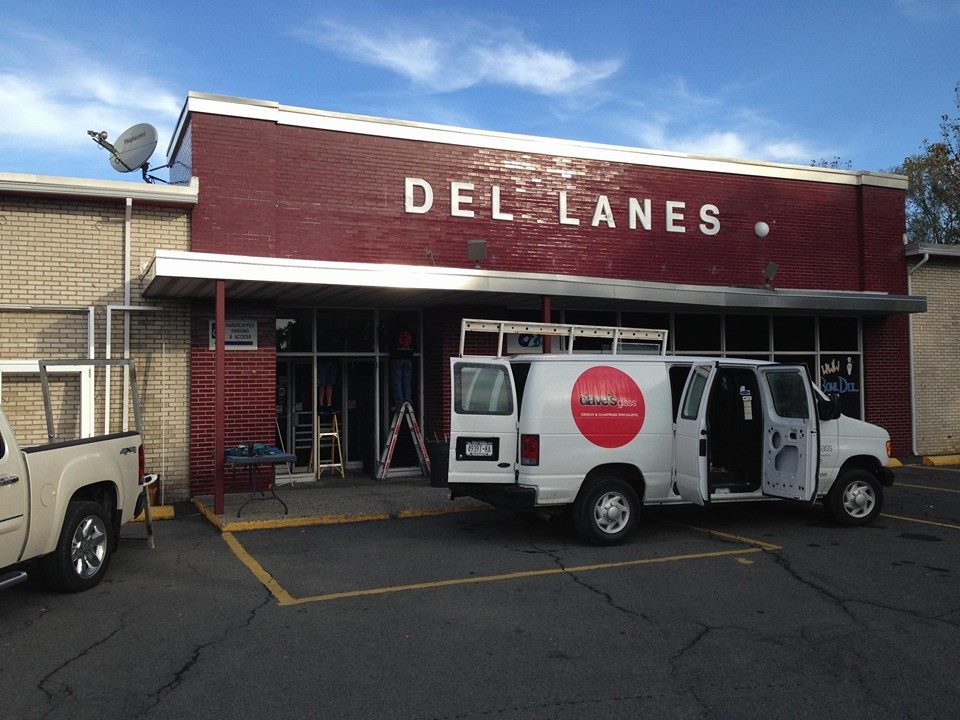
pixel 62 505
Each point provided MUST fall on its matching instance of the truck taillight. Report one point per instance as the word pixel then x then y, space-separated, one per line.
pixel 889 449
pixel 529 449
pixel 141 463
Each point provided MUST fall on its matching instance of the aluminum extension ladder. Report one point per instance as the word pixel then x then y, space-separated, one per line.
pixel 404 412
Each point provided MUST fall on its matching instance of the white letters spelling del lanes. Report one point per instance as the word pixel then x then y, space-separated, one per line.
pixel 638 214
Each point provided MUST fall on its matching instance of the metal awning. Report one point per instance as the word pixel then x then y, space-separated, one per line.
pixel 182 275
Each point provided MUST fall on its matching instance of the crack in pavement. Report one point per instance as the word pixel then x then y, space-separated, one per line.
pixel 840 602
pixel 597 591
pixel 844 603
pixel 158 695
pixel 41 685
pixel 25 624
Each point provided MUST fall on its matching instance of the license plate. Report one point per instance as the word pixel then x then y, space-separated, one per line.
pixel 479 449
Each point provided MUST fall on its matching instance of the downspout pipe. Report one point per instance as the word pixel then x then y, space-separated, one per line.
pixel 913 389
pixel 128 211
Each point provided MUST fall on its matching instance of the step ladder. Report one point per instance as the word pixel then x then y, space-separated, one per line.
pixel 404 412
pixel 327 448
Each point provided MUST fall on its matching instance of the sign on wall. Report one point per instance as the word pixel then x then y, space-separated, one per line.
pixel 241 335
pixel 840 375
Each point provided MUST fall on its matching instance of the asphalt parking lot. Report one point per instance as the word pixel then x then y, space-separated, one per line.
pixel 753 611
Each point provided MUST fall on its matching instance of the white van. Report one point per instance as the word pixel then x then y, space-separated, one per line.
pixel 605 433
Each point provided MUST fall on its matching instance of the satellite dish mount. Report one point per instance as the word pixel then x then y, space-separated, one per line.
pixel 131 150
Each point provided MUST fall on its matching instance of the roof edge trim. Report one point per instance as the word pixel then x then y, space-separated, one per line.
pixel 271 111
pixel 56 186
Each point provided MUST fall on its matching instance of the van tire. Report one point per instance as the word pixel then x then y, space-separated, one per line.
pixel 855 498
pixel 605 512
pixel 88 524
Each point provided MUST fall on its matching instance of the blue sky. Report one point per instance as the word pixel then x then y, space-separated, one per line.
pixel 780 81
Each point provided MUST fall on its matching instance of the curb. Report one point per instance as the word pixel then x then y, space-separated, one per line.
pixel 160 512
pixel 230 526
pixel 941 460
pixel 894 463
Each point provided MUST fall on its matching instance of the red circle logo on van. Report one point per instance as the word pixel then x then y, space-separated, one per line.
pixel 607 406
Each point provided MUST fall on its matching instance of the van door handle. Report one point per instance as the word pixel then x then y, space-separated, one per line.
pixel 8 480
pixel 503 465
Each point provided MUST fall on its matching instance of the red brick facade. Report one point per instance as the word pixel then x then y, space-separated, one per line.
pixel 250 392
pixel 283 191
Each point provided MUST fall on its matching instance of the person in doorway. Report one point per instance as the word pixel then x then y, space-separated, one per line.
pixel 401 368
pixel 326 379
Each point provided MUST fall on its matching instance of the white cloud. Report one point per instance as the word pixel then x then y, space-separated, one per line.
pixel 677 118
pixel 451 59
pixel 929 10
pixel 51 93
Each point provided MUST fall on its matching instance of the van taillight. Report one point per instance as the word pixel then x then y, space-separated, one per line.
pixel 529 449
pixel 141 463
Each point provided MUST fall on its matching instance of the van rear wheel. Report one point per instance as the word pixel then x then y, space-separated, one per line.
pixel 606 511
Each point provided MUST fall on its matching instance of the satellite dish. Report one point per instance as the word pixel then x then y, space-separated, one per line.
pixel 133 148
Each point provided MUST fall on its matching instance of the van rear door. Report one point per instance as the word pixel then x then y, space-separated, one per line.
pixel 690 460
pixel 483 421
pixel 791 449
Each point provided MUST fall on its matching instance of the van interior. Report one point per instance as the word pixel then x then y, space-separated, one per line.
pixel 735 427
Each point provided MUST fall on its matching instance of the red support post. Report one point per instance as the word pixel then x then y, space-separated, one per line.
pixel 547 339
pixel 219 395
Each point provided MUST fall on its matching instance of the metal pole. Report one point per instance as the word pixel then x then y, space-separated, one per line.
pixel 219 395
pixel 547 317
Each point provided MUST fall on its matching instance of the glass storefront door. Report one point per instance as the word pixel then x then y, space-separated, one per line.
pixel 346 355
pixel 295 409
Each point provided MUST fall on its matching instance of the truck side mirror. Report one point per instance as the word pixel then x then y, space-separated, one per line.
pixel 829 409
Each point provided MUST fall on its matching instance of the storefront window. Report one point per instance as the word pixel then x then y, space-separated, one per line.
pixel 794 333
pixel 591 317
pixel 650 321
pixel 294 330
pixel 840 374
pixel 747 333
pixel 810 361
pixel 345 331
pixel 838 334
pixel 699 333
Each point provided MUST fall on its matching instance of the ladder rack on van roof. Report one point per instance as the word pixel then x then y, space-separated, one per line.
pixel 509 327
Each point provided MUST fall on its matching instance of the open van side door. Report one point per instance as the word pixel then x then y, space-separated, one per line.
pixel 791 448
pixel 483 421
pixel 691 463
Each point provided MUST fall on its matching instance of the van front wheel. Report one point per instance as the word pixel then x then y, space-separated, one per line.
pixel 606 511
pixel 855 498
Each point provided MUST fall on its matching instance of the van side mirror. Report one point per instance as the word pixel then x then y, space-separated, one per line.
pixel 829 409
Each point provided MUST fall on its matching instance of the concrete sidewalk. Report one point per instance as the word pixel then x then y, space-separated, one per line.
pixel 356 498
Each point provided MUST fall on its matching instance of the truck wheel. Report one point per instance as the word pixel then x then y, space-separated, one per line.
pixel 606 511
pixel 855 498
pixel 84 549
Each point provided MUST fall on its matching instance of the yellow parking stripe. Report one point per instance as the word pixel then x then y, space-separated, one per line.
pixel 282 596
pixel 920 520
pixel 515 576
pixel 926 487
pixel 726 536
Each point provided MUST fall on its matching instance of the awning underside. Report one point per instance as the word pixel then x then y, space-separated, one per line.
pixel 184 275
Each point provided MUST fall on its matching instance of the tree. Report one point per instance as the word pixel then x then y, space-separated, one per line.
pixel 933 197
pixel 836 163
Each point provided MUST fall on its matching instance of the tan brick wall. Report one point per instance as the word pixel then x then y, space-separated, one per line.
pixel 936 351
pixel 70 252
